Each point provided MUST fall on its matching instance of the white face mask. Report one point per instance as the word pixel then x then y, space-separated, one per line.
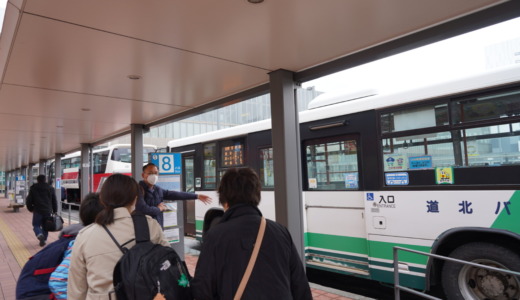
pixel 152 179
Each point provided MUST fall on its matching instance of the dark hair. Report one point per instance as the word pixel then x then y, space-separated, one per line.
pixel 40 179
pixel 89 208
pixel 147 165
pixel 118 191
pixel 239 186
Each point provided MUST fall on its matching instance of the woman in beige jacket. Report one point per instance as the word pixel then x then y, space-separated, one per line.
pixel 94 254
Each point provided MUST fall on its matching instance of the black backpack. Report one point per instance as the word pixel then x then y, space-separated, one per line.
pixel 147 269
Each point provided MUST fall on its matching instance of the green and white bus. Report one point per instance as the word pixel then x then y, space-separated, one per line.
pixel 435 169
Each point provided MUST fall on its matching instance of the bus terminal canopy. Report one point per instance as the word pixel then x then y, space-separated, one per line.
pixel 80 72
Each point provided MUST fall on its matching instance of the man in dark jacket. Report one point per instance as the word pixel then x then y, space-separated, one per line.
pixel 278 272
pixel 150 201
pixel 41 201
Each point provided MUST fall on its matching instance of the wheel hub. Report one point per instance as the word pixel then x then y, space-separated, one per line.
pixel 492 285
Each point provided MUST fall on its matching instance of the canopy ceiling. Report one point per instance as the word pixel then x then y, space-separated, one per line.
pixel 66 64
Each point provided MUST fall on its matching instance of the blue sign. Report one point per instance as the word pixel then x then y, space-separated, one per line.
pixel 20 178
pixel 370 196
pixel 420 162
pixel 168 163
pixel 400 178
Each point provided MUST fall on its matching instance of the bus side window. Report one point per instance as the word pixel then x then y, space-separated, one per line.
pixel 266 167
pixel 210 166
pixel 332 164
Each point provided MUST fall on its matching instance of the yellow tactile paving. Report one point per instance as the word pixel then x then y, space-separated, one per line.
pixel 17 248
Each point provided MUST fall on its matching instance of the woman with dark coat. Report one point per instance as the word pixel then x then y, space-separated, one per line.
pixel 278 272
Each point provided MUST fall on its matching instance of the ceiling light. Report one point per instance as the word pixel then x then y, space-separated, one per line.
pixel 134 77
pixel 255 1
pixel 85 109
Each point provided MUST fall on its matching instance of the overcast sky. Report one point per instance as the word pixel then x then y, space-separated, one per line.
pixel 445 60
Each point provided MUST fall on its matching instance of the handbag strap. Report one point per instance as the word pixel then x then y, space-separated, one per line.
pixel 252 260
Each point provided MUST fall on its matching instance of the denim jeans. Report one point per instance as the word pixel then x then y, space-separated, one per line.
pixel 37 223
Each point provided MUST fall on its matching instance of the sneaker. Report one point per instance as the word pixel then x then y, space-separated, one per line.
pixel 41 237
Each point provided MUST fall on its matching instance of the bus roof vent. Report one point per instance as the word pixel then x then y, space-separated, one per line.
pixel 336 97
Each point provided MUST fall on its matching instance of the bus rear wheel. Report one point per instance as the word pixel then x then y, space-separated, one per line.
pixel 467 282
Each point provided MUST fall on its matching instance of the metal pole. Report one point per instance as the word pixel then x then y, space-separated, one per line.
pixel 84 183
pixel 57 180
pixel 286 153
pixel 136 138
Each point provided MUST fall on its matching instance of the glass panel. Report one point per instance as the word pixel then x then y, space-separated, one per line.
pixel 100 162
pixel 146 151
pixel 419 152
pixel 210 166
pixel 332 165
pixel 415 118
pixel 189 175
pixel 502 105
pixel 266 167
pixel 493 145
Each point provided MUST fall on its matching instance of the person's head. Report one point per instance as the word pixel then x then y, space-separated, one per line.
pixel 239 185
pixel 150 174
pixel 89 208
pixel 118 191
pixel 40 179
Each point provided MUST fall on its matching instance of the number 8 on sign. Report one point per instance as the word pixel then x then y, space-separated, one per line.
pixel 166 164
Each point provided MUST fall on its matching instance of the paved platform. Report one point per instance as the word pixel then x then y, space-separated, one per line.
pixel 18 243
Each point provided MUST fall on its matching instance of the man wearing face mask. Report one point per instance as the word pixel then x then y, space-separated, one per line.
pixel 151 197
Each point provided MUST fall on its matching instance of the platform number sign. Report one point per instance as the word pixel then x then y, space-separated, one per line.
pixel 168 163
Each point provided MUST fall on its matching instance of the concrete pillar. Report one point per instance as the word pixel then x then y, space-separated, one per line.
pixel 286 156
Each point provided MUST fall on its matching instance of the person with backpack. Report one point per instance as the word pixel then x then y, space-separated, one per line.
pixel 41 201
pixel 38 278
pixel 95 255
pixel 244 240
pixel 88 210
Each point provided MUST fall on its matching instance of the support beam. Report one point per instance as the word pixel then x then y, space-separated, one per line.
pixel 286 155
pixel 136 137
pixel 84 171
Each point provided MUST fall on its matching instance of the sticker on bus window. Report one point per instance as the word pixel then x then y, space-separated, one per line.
pixel 444 175
pixel 400 178
pixel 351 180
pixel 395 162
pixel 313 183
pixel 420 162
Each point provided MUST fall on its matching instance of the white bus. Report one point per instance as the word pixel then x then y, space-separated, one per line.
pixel 435 169
pixel 106 161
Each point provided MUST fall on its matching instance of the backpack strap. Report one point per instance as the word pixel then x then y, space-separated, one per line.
pixel 142 233
pixel 114 239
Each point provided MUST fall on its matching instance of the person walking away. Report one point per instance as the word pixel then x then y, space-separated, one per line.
pixel 278 272
pixel 95 254
pixel 41 201
pixel 150 201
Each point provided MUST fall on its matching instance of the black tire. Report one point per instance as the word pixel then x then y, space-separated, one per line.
pixel 211 218
pixel 466 282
